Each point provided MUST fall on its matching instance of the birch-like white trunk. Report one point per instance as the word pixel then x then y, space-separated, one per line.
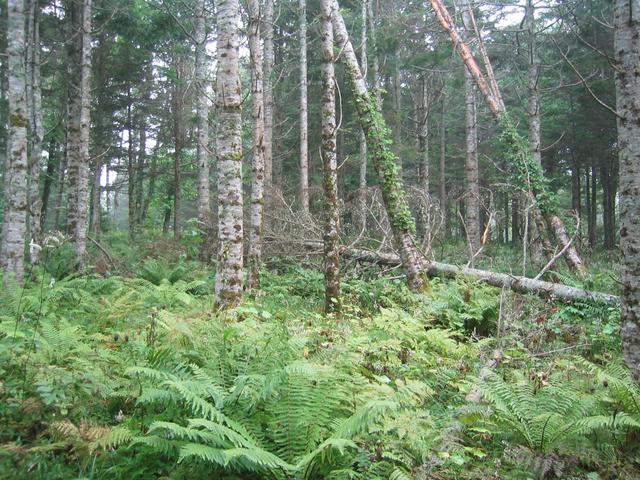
pixel 78 129
pixel 267 35
pixel 229 275
pixel 14 228
pixel 423 134
pixel 202 113
pixel 627 52
pixel 329 161
pixel 257 163
pixel 304 110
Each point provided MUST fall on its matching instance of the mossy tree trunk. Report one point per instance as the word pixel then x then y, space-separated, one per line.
pixel 627 51
pixel 14 228
pixel 229 275
pixel 330 161
pixel 384 160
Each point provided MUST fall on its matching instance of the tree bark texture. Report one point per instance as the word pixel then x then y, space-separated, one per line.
pixel 257 164
pixel 36 130
pixel 202 113
pixel 78 128
pixel 229 275
pixel 329 162
pixel 472 197
pixel 14 228
pixel 364 155
pixel 269 59
pixel 627 52
pixel 384 160
pixel 304 110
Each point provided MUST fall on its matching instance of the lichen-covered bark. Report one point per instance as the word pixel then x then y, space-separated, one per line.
pixel 202 113
pixel 178 113
pixel 384 160
pixel 627 52
pixel 423 138
pixel 267 35
pixel 329 162
pixel 364 155
pixel 14 227
pixel 304 123
pixel 472 197
pixel 257 163
pixel 36 132
pixel 78 128
pixel 229 275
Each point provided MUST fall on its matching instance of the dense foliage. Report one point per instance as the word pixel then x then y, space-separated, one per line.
pixel 131 375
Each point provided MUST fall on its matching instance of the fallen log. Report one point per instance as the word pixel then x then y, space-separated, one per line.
pixel 541 288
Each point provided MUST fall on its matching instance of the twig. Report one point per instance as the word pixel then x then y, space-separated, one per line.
pixel 103 250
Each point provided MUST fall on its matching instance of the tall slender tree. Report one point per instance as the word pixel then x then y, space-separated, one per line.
pixel 257 164
pixel 14 228
pixel 229 275
pixel 267 35
pixel 78 126
pixel 202 112
pixel 304 109
pixel 472 196
pixel 330 162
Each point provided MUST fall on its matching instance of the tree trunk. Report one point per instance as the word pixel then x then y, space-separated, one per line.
pixel 608 172
pixel 61 180
pixel 229 273
pixel 534 74
pixel 472 197
pixel 593 211
pixel 304 128
pixel 383 159
pixel 78 129
pixel 14 228
pixel 396 91
pixel 423 134
pixel 131 169
pixel 177 107
pixel 267 35
pixel 53 162
pixel 329 162
pixel 627 51
pixel 202 112
pixel 524 285
pixel 444 208
pixel 362 174
pixel 94 226
pixel 36 130
pixel 257 165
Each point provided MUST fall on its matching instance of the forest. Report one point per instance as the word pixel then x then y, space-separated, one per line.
pixel 320 239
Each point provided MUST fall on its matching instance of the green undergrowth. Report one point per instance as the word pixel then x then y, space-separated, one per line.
pixel 135 376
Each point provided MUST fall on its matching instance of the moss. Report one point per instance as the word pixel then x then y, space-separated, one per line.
pixel 17 120
pixel 385 161
pixel 523 169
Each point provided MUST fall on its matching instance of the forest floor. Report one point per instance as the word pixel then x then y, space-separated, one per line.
pixel 128 373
